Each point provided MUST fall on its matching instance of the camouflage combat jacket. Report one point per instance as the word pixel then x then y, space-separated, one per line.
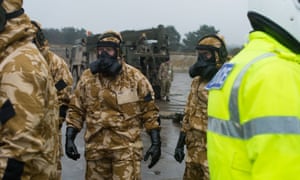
pixel 63 81
pixel 115 110
pixel 195 114
pixel 30 132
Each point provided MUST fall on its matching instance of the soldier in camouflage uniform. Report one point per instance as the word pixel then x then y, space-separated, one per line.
pixel 116 102
pixel 165 75
pixel 28 101
pixel 62 78
pixel 212 54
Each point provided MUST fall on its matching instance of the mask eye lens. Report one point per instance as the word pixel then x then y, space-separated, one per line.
pixel 108 50
pixel 205 53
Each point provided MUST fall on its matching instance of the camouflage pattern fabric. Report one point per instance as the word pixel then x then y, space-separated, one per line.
pixel 125 163
pixel 30 135
pixel 115 111
pixel 195 126
pixel 165 75
pixel 61 74
pixel 63 80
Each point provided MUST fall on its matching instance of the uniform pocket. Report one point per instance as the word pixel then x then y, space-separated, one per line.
pixel 127 96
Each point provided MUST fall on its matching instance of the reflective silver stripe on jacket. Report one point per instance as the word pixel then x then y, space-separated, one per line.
pixel 233 102
pixel 264 125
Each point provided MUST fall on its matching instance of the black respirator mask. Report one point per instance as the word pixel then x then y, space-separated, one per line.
pixel 106 64
pixel 206 68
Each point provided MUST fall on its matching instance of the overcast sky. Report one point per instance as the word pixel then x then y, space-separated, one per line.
pixel 228 16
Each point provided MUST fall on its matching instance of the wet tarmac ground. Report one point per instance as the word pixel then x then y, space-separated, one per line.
pixel 167 168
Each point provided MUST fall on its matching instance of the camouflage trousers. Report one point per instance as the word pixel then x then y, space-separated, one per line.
pixel 122 164
pixel 196 159
pixel 165 88
pixel 195 171
pixel 31 170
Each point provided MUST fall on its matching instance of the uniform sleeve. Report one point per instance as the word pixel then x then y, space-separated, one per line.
pixel 63 82
pixel 273 138
pixel 76 111
pixel 64 94
pixel 149 110
pixel 187 109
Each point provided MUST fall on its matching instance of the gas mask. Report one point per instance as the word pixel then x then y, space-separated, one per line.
pixel 206 68
pixel 106 65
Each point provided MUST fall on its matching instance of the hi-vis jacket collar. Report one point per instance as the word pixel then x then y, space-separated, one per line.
pixel 282 52
pixel 276 48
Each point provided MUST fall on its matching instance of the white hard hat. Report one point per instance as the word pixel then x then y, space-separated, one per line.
pixel 285 13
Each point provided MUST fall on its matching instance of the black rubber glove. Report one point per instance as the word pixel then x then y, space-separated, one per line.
pixel 70 147
pixel 154 150
pixel 179 150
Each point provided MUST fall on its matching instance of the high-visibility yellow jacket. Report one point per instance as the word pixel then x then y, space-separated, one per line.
pixel 254 114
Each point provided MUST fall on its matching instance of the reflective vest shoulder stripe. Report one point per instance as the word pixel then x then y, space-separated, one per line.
pixel 233 104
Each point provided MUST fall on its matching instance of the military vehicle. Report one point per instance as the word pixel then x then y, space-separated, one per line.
pixel 82 53
pixel 77 59
pixel 144 49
